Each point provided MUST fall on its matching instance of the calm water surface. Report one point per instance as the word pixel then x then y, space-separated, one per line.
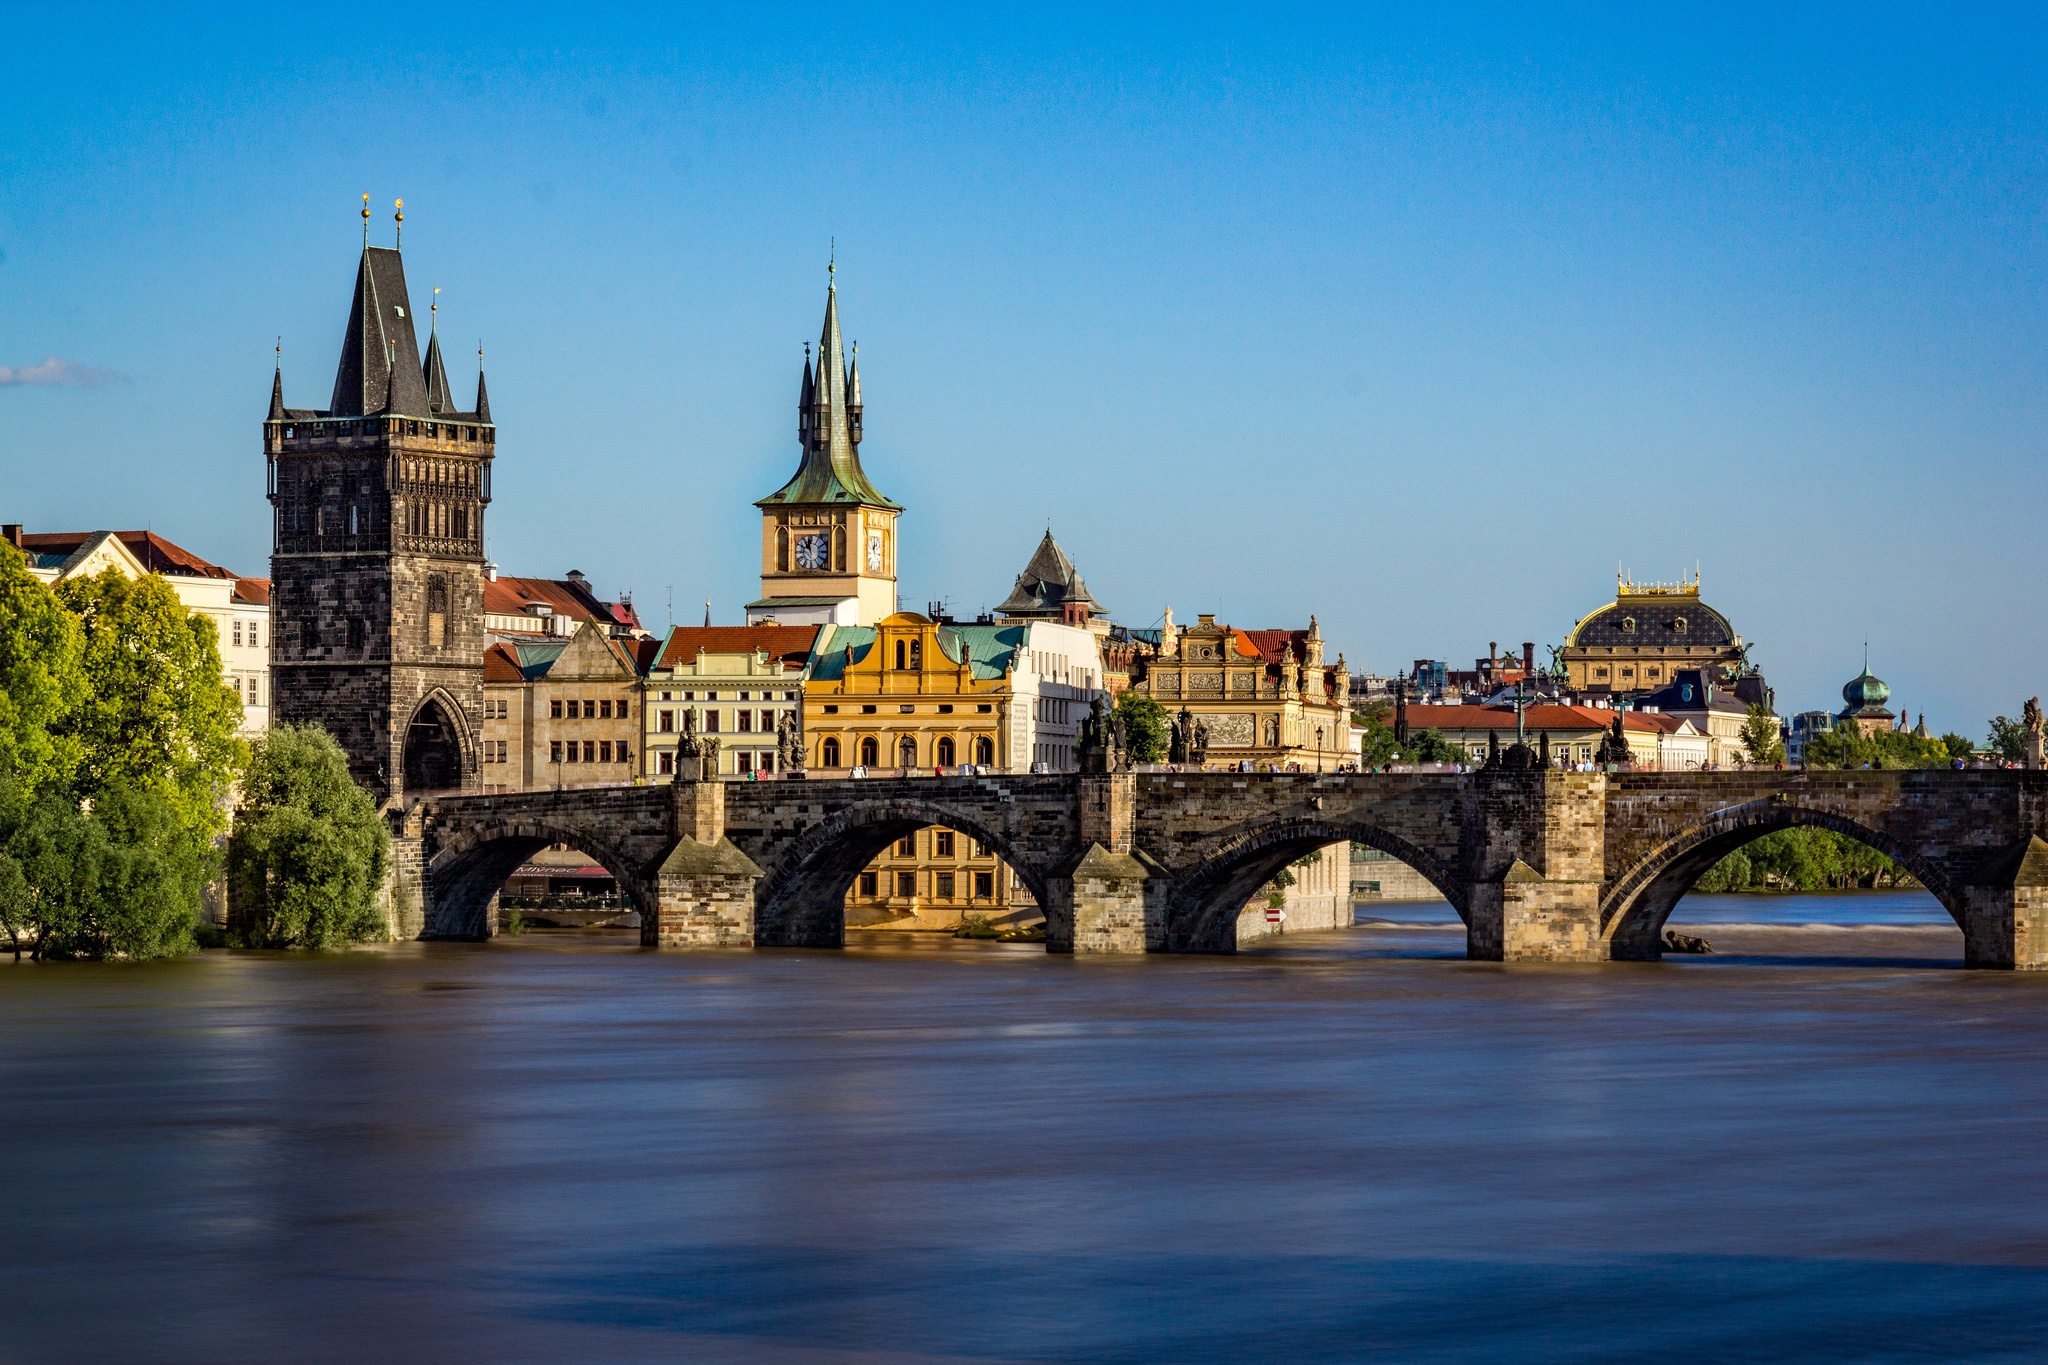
pixel 1818 1144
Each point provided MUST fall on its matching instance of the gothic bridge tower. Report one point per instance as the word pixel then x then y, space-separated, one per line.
pixel 828 536
pixel 377 582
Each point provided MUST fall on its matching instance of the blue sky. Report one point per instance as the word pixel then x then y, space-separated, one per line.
pixel 1420 324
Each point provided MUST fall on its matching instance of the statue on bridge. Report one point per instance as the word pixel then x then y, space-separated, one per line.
pixel 696 755
pixel 1102 744
pixel 2030 723
pixel 1613 747
pixel 789 743
pixel 1190 739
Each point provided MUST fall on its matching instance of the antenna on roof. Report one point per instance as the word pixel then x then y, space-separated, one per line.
pixel 366 222
pixel 399 233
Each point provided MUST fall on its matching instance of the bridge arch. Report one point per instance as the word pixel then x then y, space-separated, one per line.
pixel 800 901
pixel 1202 914
pixel 1641 899
pixel 472 865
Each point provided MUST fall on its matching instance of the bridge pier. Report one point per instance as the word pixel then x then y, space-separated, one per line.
pixel 1112 899
pixel 1522 821
pixel 2005 911
pixel 703 886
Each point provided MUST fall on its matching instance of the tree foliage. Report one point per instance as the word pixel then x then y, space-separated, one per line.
pixel 41 683
pixel 1803 858
pixel 156 715
pixel 1378 748
pixel 1761 744
pixel 1846 747
pixel 2008 739
pixel 1147 727
pixel 308 853
pixel 118 875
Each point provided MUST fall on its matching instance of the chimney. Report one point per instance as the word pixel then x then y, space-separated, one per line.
pixel 490 573
pixel 1493 653
pixel 12 530
pixel 576 577
pixel 1529 657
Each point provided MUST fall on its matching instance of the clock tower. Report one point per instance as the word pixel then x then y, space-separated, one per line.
pixel 828 536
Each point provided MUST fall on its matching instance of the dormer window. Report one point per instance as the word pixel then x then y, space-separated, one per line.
pixel 1628 625
pixel 1679 625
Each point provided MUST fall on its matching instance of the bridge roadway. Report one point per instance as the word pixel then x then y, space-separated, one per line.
pixel 1539 865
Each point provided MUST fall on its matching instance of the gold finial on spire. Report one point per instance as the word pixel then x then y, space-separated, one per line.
pixel 366 222
pixel 280 354
pixel 832 263
pixel 434 311
pixel 397 238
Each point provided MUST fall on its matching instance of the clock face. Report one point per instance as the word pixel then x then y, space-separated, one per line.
pixel 875 553
pixel 810 552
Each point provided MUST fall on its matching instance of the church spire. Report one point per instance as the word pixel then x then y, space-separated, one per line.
pixel 483 400
pixel 380 367
pixel 827 425
pixel 277 386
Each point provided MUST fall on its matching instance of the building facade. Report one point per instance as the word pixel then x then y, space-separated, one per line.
pixel 736 684
pixel 562 713
pixel 828 536
pixel 1265 697
pixel 377 567
pixel 238 607
pixel 1637 642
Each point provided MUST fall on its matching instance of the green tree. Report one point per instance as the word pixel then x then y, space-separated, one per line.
pixel 116 876
pixel 1760 742
pixel 308 853
pixel 1147 728
pixel 156 716
pixel 1378 747
pixel 1959 746
pixel 1846 747
pixel 2008 739
pixel 1430 746
pixel 40 680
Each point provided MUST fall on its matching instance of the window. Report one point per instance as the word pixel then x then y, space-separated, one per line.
pixel 985 752
pixel 767 722
pixel 906 752
pixel 902 654
pixel 868 710
pixel 711 720
pixel 665 722
pixel 1628 625
pixel 665 762
pixel 789 696
pixel 252 635
pixel 238 632
pixel 906 708
pixel 744 720
pixel 746 696
pixel 980 849
pixel 945 753
pixel 437 614
pixel 590 751
pixel 668 696
pixel 1599 672
pixel 870 753
pixel 984 885
pixel 985 708
pixel 867 883
pixel 622 711
pixel 604 710
pixel 604 751
pixel 906 847
pixel 236 685
pixel 555 710
pixel 942 885
pixel 945 708
pixel 746 761
pixel 906 883
pixel 554 751
pixel 828 753
pixel 590 710
pixel 1679 625
pixel 767 762
pixel 942 844
pixel 831 710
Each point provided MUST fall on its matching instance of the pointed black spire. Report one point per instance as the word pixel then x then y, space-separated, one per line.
pixel 439 400
pixel 380 367
pixel 483 400
pixel 277 393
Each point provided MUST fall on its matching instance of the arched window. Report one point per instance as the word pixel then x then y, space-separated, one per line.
pixel 902 654
pixel 945 754
pixel 782 559
pixel 870 754
pixel 437 613
pixel 906 752
pixel 828 754
pixel 839 549
pixel 985 751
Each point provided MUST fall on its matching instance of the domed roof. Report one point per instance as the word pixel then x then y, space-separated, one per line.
pixel 1865 692
pixel 1653 621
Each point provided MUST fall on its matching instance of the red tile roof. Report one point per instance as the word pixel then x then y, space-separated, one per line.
pixel 790 644
pixel 501 665
pixel 253 592
pixel 156 554
pixel 1542 716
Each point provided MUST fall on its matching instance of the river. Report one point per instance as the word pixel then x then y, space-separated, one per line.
pixel 1821 1143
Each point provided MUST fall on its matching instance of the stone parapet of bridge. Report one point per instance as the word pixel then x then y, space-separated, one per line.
pixel 1540 866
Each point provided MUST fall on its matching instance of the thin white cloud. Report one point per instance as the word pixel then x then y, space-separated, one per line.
pixel 61 373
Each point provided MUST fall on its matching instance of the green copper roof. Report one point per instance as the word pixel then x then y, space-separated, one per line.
pixel 828 407
pixel 992 649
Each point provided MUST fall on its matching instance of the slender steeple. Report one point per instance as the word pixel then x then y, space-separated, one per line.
pixel 277 389
pixel 483 400
pixel 853 396
pixel 827 425
pixel 439 399
pixel 380 368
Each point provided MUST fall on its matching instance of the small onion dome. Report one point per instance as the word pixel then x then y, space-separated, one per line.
pixel 1865 692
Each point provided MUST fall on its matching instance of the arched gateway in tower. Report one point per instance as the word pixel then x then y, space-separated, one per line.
pixel 376 563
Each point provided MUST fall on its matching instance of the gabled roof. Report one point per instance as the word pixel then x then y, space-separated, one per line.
pixel 521 662
pixel 790 645
pixel 52 549
pixel 1047 584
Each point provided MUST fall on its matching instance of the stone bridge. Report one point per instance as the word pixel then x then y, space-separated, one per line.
pixel 1539 865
